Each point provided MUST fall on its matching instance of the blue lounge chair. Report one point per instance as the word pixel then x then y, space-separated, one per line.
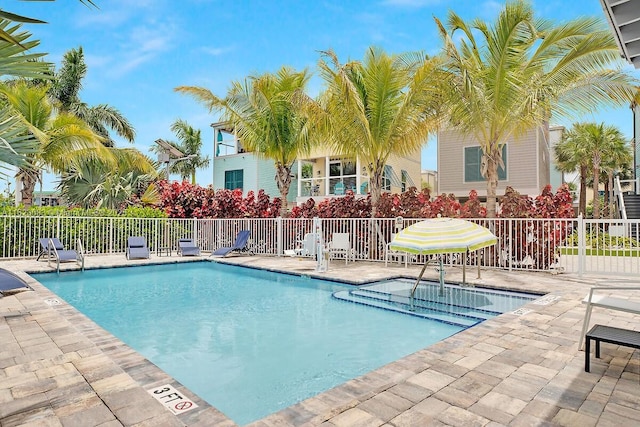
pixel 44 246
pixel 10 282
pixel 186 247
pixel 55 251
pixel 137 248
pixel 240 245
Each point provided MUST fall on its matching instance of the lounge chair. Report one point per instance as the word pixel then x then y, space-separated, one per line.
pixel 55 251
pixel 340 246
pixel 338 189
pixel 397 255
pixel 44 246
pixel 240 245
pixel 137 247
pixel 186 247
pixel 309 245
pixel 10 282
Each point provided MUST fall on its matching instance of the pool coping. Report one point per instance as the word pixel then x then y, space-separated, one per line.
pixel 353 398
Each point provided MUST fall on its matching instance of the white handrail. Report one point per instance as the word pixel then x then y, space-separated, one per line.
pixel 617 190
pixel 80 252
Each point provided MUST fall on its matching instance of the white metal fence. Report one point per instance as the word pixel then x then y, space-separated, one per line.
pixel 572 245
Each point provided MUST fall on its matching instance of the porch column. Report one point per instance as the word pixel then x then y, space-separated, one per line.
pixel 326 175
pixel 299 177
pixel 358 175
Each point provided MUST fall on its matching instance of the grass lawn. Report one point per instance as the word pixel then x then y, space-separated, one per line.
pixel 632 252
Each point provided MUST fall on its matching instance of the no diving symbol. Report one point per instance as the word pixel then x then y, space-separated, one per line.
pixel 182 406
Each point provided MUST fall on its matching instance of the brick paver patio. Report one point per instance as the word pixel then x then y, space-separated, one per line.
pixel 58 368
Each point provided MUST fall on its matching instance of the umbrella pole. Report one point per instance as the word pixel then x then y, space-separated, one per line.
pixel 413 291
pixel 464 269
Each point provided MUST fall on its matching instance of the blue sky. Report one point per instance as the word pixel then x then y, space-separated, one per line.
pixel 138 51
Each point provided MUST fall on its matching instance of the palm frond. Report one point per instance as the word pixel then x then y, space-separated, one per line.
pixel 13 59
pixel 17 145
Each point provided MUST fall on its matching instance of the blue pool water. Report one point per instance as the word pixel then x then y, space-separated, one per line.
pixel 249 342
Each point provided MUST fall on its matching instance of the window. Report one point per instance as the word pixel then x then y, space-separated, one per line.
pixel 473 164
pixel 233 179
pixel 406 180
pixel 389 178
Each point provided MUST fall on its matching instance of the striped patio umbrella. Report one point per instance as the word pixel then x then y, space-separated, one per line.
pixel 442 236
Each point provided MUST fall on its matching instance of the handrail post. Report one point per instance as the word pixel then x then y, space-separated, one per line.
pixel 617 190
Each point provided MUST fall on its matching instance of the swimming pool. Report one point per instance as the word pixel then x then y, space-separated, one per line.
pixel 249 342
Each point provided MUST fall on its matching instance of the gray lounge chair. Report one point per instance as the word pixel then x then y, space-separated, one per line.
pixel 44 246
pixel 137 247
pixel 240 245
pixel 186 247
pixel 55 251
pixel 10 282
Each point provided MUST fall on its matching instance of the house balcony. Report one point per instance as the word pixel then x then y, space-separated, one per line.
pixel 329 176
pixel 320 188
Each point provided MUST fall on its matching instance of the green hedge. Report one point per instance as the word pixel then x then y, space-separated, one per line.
pixel 21 228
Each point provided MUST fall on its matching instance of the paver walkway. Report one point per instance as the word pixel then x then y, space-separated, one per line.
pixel 58 368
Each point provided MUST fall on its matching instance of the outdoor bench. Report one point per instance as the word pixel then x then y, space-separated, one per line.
pixel 618 336
pixel 612 303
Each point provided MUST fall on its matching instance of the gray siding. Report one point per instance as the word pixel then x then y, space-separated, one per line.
pixel 523 160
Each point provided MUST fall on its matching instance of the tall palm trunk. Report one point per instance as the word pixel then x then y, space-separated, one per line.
pixel 28 179
pixel 492 180
pixel 283 180
pixel 596 187
pixel 608 193
pixel 375 188
pixel 582 201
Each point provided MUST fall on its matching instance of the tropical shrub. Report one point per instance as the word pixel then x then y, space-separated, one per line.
pixel 185 200
pixel 69 224
pixel 541 238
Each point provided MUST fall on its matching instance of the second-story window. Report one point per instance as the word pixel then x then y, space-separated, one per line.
pixel 234 179
pixel 473 164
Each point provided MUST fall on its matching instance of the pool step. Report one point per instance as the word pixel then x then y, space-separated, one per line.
pixel 446 305
pixel 463 321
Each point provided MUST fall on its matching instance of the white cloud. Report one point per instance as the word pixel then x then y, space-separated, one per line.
pixel 217 51
pixel 115 13
pixel 144 44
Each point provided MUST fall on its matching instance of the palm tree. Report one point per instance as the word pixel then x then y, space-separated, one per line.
pixel 190 145
pixel 618 159
pixel 265 112
pixel 65 91
pixel 509 77
pixel 63 139
pixel 94 183
pixel 385 105
pixel 16 143
pixel 572 156
pixel 595 147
